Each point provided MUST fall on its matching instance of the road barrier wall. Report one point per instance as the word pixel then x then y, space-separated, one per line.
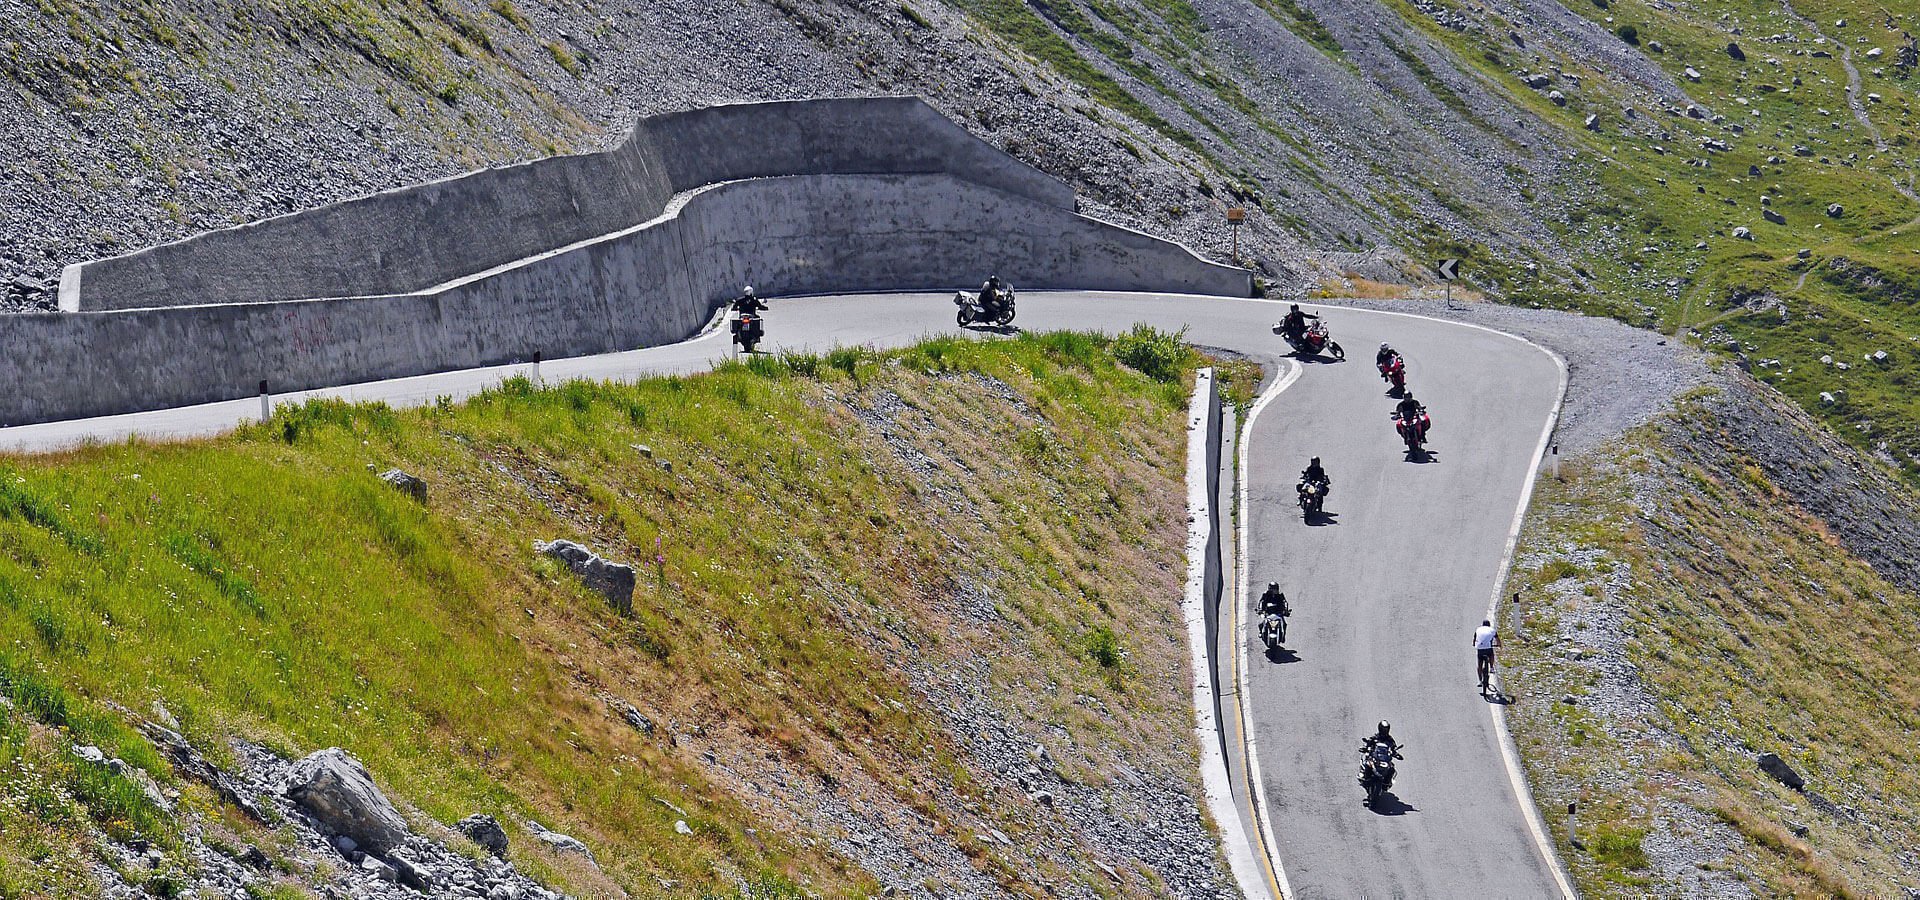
pixel 415 238
pixel 600 253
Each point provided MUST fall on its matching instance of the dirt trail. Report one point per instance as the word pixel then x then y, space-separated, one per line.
pixel 1855 100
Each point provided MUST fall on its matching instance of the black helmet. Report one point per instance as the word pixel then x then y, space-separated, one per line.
pixel 1273 586
pixel 1384 347
pixel 1296 307
pixel 1386 728
pixel 1313 463
pixel 1408 398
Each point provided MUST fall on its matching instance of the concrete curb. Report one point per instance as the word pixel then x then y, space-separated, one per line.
pixel 1200 606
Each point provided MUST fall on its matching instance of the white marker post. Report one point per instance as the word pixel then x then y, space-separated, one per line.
pixel 266 402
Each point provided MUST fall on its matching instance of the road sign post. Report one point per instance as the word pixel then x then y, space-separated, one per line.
pixel 1449 270
pixel 1236 215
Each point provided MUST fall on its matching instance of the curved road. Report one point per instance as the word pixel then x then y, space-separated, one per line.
pixel 1385 599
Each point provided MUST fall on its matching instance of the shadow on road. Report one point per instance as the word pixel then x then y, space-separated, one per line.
pixel 1322 517
pixel 1390 805
pixel 1497 696
pixel 1423 458
pixel 1282 656
pixel 1320 358
pixel 992 329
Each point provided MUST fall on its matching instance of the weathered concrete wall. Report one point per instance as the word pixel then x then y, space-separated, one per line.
pixel 650 284
pixel 419 237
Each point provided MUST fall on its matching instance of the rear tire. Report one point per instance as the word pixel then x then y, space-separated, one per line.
pixel 748 343
pixel 961 318
pixel 1006 318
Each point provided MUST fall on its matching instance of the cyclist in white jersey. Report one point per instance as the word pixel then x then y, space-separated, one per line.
pixel 1485 639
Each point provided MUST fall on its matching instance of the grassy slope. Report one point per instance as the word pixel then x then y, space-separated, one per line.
pixel 1751 630
pixel 1645 207
pixel 266 585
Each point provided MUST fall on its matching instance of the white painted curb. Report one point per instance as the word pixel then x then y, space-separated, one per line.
pixel 1203 560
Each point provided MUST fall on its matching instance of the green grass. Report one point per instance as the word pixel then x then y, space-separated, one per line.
pixel 1752 630
pixel 267 585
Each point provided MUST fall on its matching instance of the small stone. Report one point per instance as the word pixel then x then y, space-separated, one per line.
pixel 680 826
pixel 1691 73
pixel 407 484
pixel 1743 233
pixel 1044 798
pixel 1558 98
pixel 1804 253
pixel 1733 50
pixel 611 580
pixel 1835 210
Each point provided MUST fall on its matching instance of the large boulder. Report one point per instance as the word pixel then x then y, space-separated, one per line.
pixel 611 580
pixel 335 789
pixel 485 830
pixel 1778 769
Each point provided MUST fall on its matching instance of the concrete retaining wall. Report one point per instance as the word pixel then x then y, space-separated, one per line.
pixel 419 237
pixel 653 283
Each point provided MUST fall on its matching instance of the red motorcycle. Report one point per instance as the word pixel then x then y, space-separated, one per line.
pixel 1394 372
pixel 1313 341
pixel 1413 430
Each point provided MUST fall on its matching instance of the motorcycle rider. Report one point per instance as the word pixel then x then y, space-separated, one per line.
pixel 1409 410
pixel 1313 474
pixel 748 302
pixel 990 294
pixel 1382 736
pixel 1274 601
pixel 1385 356
pixel 1294 326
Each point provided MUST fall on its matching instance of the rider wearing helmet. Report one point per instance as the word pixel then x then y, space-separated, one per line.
pixel 1294 326
pixel 1385 356
pixel 1409 408
pixel 748 302
pixel 990 292
pixel 1383 736
pixel 1274 600
pixel 1313 474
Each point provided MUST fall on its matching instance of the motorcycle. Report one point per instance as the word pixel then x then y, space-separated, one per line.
pixel 1413 430
pixel 1313 342
pixel 1312 496
pixel 1394 372
pixel 747 329
pixel 1273 630
pixel 998 311
pixel 1377 769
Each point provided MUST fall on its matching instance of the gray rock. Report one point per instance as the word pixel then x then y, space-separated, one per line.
pixel 378 868
pixel 1773 216
pixel 1733 50
pixel 560 843
pixel 1804 253
pixel 1558 98
pixel 629 714
pixel 1835 210
pixel 410 485
pixel 1777 768
pixel 485 830
pixel 611 580
pixel 1691 73
pixel 1743 233
pixel 1593 122
pixel 335 789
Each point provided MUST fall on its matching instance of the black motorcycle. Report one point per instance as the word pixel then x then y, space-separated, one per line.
pixel 747 329
pixel 997 311
pixel 1312 496
pixel 1377 768
pixel 1273 630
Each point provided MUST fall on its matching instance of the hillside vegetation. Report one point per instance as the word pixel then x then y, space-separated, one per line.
pixel 873 589
pixel 1690 601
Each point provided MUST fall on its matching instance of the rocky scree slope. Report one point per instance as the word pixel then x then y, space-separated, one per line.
pixel 1712 658
pixel 1341 126
pixel 902 622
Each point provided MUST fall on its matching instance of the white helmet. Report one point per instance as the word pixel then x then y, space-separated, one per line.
pixel 1384 347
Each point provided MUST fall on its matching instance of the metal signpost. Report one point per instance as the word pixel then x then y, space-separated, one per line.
pixel 1449 270
pixel 1236 215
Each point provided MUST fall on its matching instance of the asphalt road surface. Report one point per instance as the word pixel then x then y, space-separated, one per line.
pixel 1385 597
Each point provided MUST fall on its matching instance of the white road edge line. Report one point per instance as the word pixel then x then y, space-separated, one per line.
pixel 1509 752
pixel 1256 800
